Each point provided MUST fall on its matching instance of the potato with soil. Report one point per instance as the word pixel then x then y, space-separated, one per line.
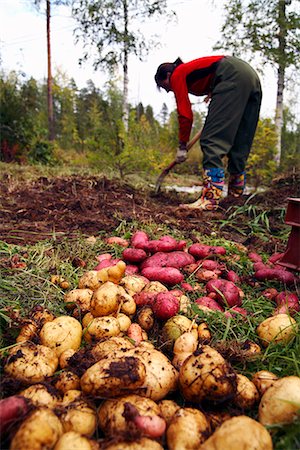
pixel 113 420
pixel 80 417
pixel 172 329
pixel 106 347
pixel 143 443
pixel 246 393
pixel 80 298
pixel 75 441
pixel 187 430
pixel 277 329
pixel 206 375
pixel 161 377
pixel 61 334
pixel 106 300
pixel 114 376
pixel 281 402
pixel 66 381
pixel 31 363
pixel 41 395
pixel 238 433
pixel 101 327
pixel 39 431
pixel 263 379
pixel 133 284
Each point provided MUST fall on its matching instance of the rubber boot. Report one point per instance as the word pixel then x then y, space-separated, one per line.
pixel 213 183
pixel 237 184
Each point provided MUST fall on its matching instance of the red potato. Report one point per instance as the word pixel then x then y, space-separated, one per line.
pixel 107 263
pixel 139 239
pixel 270 293
pixel 164 244
pixel 275 258
pixel 206 275
pixel 233 276
pixel 134 255
pixel 177 259
pixel 166 275
pixel 260 266
pixel 282 275
pixel 165 305
pixel 152 426
pixel 12 409
pixel 210 303
pixel 255 257
pixel 104 256
pixel 201 251
pixel 115 240
pixel 235 311
pixel 135 332
pixel 287 302
pixel 209 264
pixel 187 287
pixel 228 294
pixel 144 298
pixel 131 269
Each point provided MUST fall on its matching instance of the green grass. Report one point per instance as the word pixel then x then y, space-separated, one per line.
pixel 21 289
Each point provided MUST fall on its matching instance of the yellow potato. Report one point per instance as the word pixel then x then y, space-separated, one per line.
pixel 280 328
pixel 133 284
pixel 75 441
pixel 168 408
pixel 110 413
pixel 114 376
pixel 263 380
pixel 40 430
pixel 31 363
pixel 61 334
pixel 187 430
pixel 66 381
pixel 239 433
pixel 161 376
pixel 106 347
pixel 106 300
pixel 79 417
pixel 246 394
pixel 40 395
pixel 139 444
pixel 281 401
pixel 101 327
pixel 206 375
pixel 79 297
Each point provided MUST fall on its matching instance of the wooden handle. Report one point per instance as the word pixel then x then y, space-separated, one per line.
pixel 193 141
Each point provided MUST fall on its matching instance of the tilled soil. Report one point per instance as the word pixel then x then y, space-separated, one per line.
pixel 65 206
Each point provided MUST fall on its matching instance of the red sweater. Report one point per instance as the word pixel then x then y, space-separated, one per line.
pixel 194 77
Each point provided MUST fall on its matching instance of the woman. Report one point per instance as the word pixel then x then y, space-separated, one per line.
pixel 234 90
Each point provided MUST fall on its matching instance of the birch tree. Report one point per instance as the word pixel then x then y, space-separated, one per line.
pixel 110 33
pixel 269 29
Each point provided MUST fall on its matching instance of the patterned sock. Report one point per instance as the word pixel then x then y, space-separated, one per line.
pixel 237 183
pixel 216 177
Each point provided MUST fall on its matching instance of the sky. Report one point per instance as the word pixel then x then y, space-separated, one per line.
pixel 197 29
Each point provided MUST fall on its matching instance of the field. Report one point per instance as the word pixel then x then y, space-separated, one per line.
pixel 56 226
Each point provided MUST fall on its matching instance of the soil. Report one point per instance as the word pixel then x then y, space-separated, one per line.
pixel 34 211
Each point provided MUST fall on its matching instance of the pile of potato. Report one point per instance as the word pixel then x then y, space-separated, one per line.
pixel 92 379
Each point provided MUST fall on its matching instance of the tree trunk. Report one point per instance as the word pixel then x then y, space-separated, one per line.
pixel 49 80
pixel 279 113
pixel 125 68
pixel 281 74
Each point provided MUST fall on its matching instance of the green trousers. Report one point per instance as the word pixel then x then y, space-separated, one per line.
pixel 232 116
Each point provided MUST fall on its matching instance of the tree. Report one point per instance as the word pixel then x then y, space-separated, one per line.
pixel 49 65
pixel 270 29
pixel 109 27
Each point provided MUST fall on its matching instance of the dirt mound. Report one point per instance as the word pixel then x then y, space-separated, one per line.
pixel 34 211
